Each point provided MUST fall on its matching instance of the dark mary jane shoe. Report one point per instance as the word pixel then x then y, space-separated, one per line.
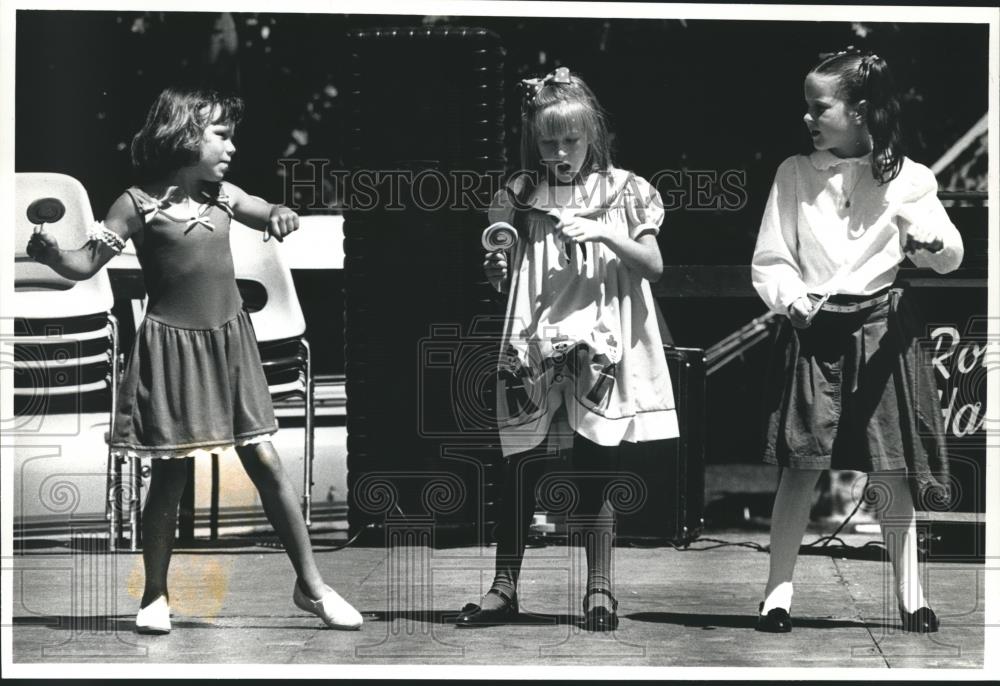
pixel 474 616
pixel 599 618
pixel 923 621
pixel 776 621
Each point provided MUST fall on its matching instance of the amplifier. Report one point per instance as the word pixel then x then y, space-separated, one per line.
pixel 672 471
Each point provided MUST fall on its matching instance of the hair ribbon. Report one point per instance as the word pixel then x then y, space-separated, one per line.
pixel 530 87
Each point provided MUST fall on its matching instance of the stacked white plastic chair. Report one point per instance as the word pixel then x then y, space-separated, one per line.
pixel 265 281
pixel 66 339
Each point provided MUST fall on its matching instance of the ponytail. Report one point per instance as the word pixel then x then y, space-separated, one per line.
pixel 866 76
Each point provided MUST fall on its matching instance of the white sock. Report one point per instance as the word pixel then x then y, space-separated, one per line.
pixel 899 531
pixel 781 597
pixel 909 591
pixel 788 523
pixel 911 598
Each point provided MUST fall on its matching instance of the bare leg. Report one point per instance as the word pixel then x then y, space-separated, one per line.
pixel 159 525
pixel 899 530
pixel 281 506
pixel 788 524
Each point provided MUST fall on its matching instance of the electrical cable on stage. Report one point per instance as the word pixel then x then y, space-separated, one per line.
pixel 356 536
pixel 722 544
pixel 539 541
pixel 826 539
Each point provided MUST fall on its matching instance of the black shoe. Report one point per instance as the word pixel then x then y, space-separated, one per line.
pixel 474 616
pixel 599 618
pixel 923 621
pixel 776 621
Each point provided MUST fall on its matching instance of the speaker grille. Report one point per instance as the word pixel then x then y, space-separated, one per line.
pixel 424 144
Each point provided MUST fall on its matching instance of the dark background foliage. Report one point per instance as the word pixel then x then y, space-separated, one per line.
pixel 710 95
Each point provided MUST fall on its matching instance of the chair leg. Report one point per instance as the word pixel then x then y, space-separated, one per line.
pixel 213 506
pixel 307 466
pixel 110 509
pixel 113 481
pixel 119 504
pixel 135 505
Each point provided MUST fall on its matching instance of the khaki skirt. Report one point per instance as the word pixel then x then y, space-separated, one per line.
pixel 856 390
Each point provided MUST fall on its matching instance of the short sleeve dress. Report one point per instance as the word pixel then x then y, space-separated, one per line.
pixel 581 350
pixel 193 383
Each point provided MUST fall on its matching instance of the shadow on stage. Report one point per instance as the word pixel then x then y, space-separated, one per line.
pixel 447 617
pixel 744 621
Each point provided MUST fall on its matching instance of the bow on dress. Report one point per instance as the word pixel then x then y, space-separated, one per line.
pixel 174 195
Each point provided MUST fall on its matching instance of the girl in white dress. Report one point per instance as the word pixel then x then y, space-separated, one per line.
pixel 583 367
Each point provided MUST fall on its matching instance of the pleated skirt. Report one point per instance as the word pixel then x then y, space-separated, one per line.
pixel 856 391
pixel 190 391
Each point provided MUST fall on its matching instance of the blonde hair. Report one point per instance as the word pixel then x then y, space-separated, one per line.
pixel 555 107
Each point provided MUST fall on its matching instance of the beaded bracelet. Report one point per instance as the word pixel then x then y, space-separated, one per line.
pixel 100 232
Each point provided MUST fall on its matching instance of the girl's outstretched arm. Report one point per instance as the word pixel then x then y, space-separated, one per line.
pixel 107 240
pixel 927 234
pixel 258 214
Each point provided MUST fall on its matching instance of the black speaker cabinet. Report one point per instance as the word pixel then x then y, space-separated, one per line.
pixel 424 151
pixel 673 471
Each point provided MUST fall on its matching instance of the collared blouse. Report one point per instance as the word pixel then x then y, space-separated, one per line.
pixel 830 228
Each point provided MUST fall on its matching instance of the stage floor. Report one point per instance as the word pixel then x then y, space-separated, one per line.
pixel 693 608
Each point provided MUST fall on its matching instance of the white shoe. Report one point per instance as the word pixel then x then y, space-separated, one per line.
pixel 154 618
pixel 331 608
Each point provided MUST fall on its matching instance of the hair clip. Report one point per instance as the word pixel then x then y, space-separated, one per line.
pixel 849 50
pixel 866 64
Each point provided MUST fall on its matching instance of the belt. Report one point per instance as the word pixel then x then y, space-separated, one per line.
pixel 847 303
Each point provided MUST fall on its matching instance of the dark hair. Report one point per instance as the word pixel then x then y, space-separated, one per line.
pixel 866 76
pixel 554 106
pixel 174 128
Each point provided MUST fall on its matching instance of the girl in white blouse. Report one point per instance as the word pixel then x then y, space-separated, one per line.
pixel 847 388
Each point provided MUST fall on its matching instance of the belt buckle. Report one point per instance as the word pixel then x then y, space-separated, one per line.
pixel 818 302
